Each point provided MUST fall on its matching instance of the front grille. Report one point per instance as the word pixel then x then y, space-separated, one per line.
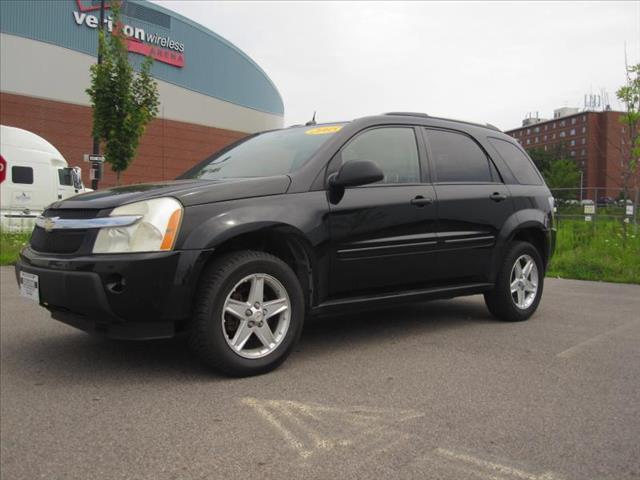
pixel 71 213
pixel 62 241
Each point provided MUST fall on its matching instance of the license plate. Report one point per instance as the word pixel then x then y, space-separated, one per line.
pixel 30 286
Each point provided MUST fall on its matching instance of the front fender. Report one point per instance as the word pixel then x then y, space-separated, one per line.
pixel 206 226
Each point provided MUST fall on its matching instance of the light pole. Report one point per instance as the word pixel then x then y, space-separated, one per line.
pixel 97 166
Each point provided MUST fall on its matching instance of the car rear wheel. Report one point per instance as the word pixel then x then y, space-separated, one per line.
pixel 519 283
pixel 248 315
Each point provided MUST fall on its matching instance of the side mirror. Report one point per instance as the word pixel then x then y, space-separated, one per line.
pixel 76 177
pixel 356 172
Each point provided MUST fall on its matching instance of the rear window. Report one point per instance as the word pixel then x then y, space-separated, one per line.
pixel 22 175
pixel 518 162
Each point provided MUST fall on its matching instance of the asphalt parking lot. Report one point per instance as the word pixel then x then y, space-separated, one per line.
pixel 428 391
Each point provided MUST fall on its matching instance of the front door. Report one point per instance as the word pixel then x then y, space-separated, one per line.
pixel 383 236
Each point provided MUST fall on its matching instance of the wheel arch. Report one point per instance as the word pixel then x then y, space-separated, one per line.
pixel 525 225
pixel 279 239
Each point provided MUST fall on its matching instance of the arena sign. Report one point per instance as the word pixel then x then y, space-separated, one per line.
pixel 159 47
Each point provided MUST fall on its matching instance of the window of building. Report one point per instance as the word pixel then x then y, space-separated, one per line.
pixel 536 130
pixel 583 152
pixel 22 175
pixel 584 118
pixel 563 134
pixel 528 131
pixel 544 138
pixel 584 141
pixel 554 125
pixel 393 149
pixel 572 143
pixel 572 131
pixel 545 148
pixel 573 121
pixel 563 123
pixel 584 129
pixel 546 127
pixel 553 136
pixel 537 140
pixel 458 158
pixel 521 166
pixel 573 153
pixel 528 141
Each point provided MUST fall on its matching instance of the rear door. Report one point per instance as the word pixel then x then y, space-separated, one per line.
pixel 473 204
pixel 383 235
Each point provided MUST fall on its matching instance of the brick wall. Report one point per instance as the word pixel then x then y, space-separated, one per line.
pixel 166 149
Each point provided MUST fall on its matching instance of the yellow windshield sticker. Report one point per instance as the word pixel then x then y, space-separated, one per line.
pixel 324 130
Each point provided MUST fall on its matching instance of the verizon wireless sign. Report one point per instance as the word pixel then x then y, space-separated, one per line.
pixel 159 47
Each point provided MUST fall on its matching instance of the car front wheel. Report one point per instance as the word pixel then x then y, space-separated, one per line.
pixel 248 315
pixel 519 283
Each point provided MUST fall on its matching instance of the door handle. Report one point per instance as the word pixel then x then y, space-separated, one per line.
pixel 420 201
pixel 497 197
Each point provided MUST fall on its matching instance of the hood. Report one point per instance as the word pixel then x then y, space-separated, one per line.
pixel 189 192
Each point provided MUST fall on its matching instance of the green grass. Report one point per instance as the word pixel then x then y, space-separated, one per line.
pixel 599 250
pixel 10 246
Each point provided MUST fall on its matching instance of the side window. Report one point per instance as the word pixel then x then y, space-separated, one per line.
pixel 457 158
pixel 393 149
pixel 22 175
pixel 64 176
pixel 517 161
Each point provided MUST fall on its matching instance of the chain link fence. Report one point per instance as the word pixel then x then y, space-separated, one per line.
pixel 597 204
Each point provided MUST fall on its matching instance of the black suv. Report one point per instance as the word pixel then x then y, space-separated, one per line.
pixel 307 220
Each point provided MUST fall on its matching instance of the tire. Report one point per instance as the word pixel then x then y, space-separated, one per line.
pixel 222 303
pixel 516 306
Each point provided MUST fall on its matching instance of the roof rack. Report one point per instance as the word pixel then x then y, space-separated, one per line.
pixel 408 114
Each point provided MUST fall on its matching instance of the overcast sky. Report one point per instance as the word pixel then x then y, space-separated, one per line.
pixel 482 61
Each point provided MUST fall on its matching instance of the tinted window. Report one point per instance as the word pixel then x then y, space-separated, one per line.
pixel 518 162
pixel 393 149
pixel 22 175
pixel 457 158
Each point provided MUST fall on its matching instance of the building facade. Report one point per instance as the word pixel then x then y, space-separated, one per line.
pixel 595 139
pixel 211 93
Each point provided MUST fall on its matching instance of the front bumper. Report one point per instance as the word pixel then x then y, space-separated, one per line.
pixel 129 296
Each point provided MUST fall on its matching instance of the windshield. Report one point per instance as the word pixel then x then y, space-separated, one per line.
pixel 272 153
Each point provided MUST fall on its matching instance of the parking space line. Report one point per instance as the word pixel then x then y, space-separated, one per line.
pixel 504 470
pixel 570 352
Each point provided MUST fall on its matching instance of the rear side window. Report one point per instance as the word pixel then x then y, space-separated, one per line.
pixel 518 162
pixel 22 175
pixel 393 149
pixel 457 158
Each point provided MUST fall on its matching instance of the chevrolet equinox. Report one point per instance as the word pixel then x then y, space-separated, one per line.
pixel 301 221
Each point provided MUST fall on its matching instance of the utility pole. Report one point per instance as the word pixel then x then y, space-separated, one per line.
pixel 96 167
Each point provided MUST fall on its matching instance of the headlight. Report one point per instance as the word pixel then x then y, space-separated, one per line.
pixel 156 230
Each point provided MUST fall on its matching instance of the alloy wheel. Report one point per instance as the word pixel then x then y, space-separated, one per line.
pixel 256 316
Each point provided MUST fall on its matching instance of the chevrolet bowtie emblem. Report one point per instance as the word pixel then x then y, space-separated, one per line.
pixel 48 224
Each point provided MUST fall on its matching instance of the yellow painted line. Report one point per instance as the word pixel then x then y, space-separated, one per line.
pixel 570 352
pixel 289 437
pixel 505 470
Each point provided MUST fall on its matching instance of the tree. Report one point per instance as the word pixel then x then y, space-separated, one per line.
pixel 544 158
pixel 123 101
pixel 629 95
pixel 563 173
